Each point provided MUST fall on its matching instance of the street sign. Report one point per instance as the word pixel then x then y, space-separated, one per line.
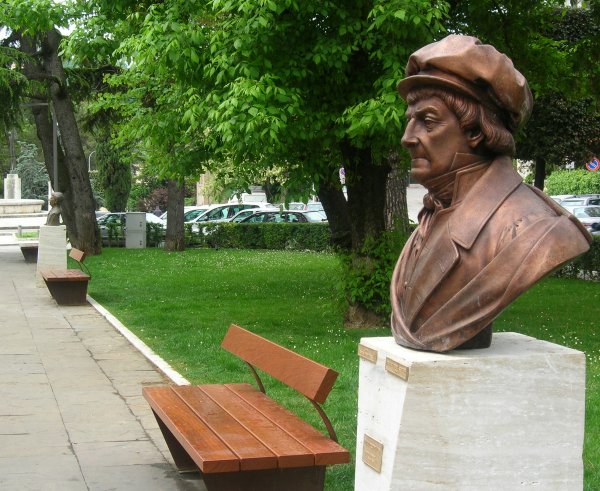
pixel 593 165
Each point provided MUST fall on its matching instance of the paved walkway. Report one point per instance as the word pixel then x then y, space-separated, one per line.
pixel 72 416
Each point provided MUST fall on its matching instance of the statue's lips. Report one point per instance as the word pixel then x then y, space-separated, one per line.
pixel 419 161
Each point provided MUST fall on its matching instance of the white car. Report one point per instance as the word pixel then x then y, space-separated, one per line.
pixel 225 212
pixel 589 216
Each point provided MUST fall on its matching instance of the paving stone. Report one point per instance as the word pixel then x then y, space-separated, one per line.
pixel 47 472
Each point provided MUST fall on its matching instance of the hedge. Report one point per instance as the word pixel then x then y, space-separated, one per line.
pixel 289 236
pixel 317 237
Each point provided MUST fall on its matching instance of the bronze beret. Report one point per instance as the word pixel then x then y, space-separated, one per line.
pixel 478 70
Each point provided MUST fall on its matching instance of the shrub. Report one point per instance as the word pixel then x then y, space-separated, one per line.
pixel 578 181
pixel 366 275
pixel 586 266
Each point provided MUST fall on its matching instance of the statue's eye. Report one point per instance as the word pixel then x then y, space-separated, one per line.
pixel 429 123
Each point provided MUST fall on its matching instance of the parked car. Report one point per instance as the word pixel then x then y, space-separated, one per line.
pixel 189 212
pixel 589 216
pixel 310 206
pixel 238 217
pixel 119 220
pixel 223 213
pixel 195 212
pixel 559 198
pixel 284 216
pixel 581 200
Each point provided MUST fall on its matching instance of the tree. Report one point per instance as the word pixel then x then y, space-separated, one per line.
pixel 114 176
pixel 33 175
pixel 560 131
pixel 151 96
pixel 556 49
pixel 312 84
pixel 31 30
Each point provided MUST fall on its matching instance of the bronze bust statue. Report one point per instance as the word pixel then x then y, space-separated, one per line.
pixel 484 237
pixel 54 213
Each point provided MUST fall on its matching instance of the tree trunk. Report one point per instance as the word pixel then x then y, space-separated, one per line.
pixel 396 208
pixel 366 183
pixel 336 208
pixel 271 189
pixel 73 179
pixel 175 238
pixel 83 229
pixel 540 173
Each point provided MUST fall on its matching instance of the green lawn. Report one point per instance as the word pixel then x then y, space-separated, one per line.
pixel 181 304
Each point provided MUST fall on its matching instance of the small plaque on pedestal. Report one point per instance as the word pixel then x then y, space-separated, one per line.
pixel 372 453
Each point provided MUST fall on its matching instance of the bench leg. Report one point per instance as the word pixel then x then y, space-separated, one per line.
pixel 295 479
pixel 30 254
pixel 181 458
pixel 68 292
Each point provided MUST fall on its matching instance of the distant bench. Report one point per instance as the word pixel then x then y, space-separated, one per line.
pixel 241 439
pixel 68 286
pixel 29 249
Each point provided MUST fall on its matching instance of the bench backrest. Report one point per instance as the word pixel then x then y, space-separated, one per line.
pixel 302 374
pixel 78 255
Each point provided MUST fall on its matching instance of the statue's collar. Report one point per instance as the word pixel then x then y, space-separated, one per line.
pixel 443 189
pixel 479 191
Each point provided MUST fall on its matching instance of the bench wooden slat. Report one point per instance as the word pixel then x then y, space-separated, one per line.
pixel 206 449
pixel 77 255
pixel 302 374
pixel 326 451
pixel 64 275
pixel 252 453
pixel 289 452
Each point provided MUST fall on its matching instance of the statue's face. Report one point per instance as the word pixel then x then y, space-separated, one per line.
pixel 53 200
pixel 433 136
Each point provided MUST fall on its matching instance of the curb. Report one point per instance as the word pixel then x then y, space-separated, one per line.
pixel 137 343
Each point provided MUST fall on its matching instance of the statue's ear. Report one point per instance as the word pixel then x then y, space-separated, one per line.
pixel 474 138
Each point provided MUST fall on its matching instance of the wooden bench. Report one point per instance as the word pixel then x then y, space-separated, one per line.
pixel 241 439
pixel 68 286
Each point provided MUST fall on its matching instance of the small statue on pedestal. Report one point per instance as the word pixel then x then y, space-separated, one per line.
pixel 54 214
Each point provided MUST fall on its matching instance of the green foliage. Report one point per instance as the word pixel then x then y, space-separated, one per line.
pixel 114 176
pixel 292 80
pixel 97 190
pixel 561 130
pixel 33 174
pixel 586 266
pixel 279 236
pixel 12 85
pixel 366 275
pixel 578 181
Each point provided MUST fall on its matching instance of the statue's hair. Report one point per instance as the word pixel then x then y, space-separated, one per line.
pixel 472 116
pixel 59 196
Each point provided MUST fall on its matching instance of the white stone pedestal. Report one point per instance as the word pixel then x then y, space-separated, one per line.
pixel 52 250
pixel 12 186
pixel 503 418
